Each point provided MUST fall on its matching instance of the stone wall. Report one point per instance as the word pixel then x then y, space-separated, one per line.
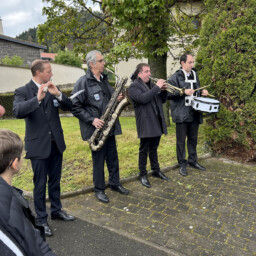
pixel 28 53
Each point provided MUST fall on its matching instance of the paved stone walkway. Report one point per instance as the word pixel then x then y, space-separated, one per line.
pixel 209 212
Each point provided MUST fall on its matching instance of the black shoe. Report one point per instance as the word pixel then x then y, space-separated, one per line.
pixel 120 189
pixel 183 171
pixel 144 181
pixel 61 215
pixel 102 196
pixel 160 175
pixel 47 229
pixel 197 166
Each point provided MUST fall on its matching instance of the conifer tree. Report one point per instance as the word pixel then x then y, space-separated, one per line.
pixel 227 61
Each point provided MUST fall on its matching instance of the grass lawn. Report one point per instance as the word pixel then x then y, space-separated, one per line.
pixel 77 162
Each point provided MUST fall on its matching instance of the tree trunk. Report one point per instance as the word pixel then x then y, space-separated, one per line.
pixel 158 70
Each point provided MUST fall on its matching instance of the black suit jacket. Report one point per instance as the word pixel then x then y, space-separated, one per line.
pixel 148 107
pixel 42 120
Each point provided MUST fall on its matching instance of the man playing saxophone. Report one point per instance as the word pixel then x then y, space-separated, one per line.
pixel 148 99
pixel 91 95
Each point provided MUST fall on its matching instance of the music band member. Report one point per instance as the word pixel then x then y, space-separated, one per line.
pixel 88 107
pixel 147 99
pixel 186 118
pixel 38 102
pixel 19 234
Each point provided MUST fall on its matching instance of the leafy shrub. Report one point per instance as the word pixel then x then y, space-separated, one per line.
pixel 68 58
pixel 15 60
pixel 227 60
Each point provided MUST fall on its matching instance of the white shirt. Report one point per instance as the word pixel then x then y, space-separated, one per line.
pixel 59 98
pixel 101 76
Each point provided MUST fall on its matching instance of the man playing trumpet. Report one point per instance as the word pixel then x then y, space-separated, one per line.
pixel 186 118
pixel 148 99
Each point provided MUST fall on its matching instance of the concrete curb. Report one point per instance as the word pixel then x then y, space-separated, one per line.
pixel 123 181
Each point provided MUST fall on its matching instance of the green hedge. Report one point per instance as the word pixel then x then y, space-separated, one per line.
pixel 227 60
pixel 6 100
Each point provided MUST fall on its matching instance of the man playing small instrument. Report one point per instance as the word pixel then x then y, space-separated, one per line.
pixel 38 102
pixel 186 118
pixel 92 93
pixel 148 99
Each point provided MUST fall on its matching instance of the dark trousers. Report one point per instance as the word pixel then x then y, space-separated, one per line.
pixel 42 168
pixel 108 153
pixel 148 147
pixel 189 130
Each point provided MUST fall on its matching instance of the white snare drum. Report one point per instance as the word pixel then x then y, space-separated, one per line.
pixel 205 105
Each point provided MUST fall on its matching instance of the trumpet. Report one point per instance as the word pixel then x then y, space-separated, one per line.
pixel 170 88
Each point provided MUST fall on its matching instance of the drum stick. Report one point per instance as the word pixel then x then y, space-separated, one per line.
pixel 208 95
pixel 201 88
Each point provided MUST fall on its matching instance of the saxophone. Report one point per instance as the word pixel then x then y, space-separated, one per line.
pixel 112 112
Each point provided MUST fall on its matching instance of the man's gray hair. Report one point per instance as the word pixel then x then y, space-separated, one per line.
pixel 91 57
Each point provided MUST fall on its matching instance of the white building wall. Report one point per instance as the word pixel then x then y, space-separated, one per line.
pixel 126 68
pixel 14 77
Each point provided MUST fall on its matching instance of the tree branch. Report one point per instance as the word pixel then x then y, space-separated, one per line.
pixel 83 4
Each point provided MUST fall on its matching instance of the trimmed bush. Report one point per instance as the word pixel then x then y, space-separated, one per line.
pixel 227 61
pixel 6 100
pixel 68 58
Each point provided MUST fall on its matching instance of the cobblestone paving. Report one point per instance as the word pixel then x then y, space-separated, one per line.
pixel 209 212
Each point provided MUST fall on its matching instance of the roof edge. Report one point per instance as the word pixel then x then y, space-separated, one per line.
pixel 18 41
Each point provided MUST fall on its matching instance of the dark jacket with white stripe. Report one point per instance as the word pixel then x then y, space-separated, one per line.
pixel 17 224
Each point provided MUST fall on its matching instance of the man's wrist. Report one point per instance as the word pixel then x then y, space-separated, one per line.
pixel 39 100
pixel 58 94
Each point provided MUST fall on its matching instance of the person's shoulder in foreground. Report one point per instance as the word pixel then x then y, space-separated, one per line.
pixel 18 235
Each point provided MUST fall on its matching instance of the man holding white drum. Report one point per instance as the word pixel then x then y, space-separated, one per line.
pixel 186 118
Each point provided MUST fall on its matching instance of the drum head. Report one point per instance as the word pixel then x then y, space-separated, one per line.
pixel 206 100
